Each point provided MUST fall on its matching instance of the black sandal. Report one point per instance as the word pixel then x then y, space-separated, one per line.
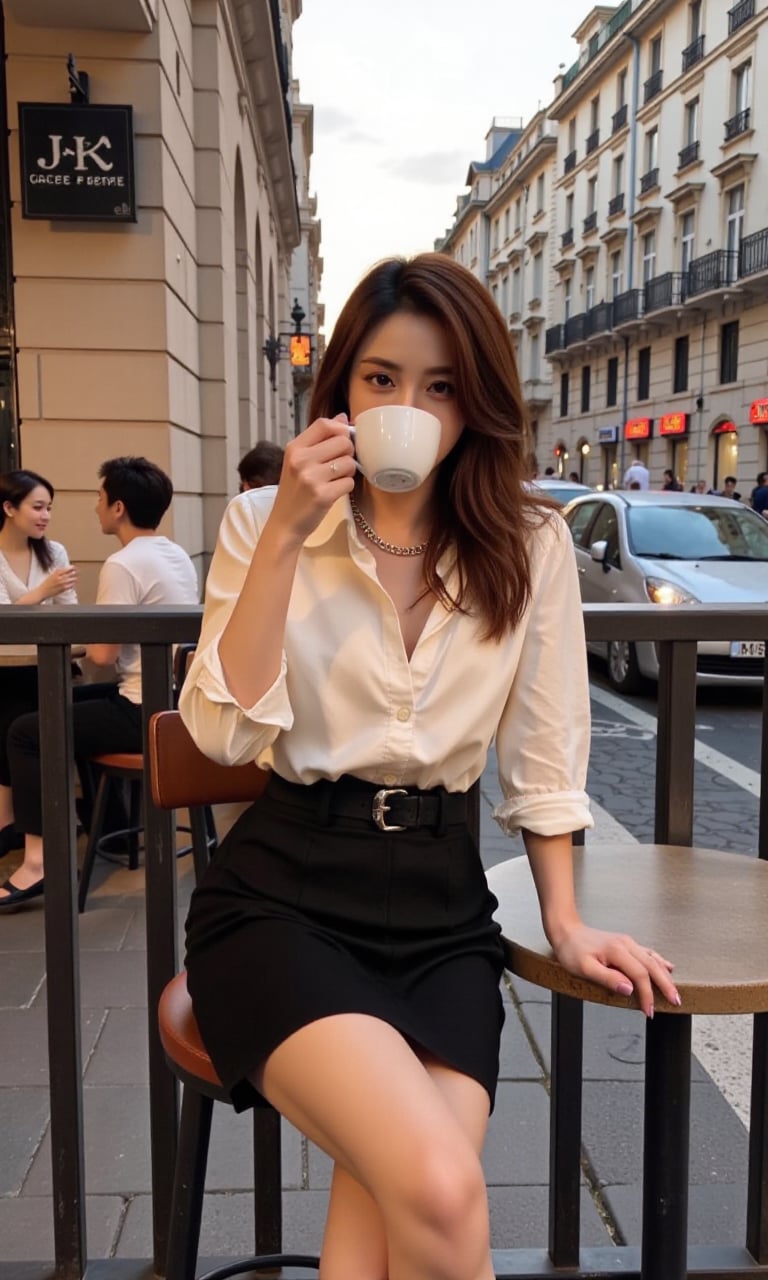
pixel 17 896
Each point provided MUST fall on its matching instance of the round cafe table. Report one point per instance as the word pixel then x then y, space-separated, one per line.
pixel 707 911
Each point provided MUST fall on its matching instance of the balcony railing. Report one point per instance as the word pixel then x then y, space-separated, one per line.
pixel 666 290
pixel 566 239
pixel 648 181
pixel 693 53
pixel 616 205
pixel 715 270
pixel 688 155
pixel 554 339
pixel 600 318
pixel 619 118
pixel 739 14
pixel 599 40
pixel 593 141
pixel 653 85
pixel 590 222
pixel 737 124
pixel 570 161
pixel 628 306
pixel 753 253
pixel 576 329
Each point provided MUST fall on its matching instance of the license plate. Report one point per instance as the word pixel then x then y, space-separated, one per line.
pixel 747 648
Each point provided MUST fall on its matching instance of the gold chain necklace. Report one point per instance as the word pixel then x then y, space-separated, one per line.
pixel 372 535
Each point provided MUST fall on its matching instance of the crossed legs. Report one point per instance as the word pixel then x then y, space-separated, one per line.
pixel 408 1199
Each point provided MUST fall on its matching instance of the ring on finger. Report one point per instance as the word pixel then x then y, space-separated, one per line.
pixel 334 467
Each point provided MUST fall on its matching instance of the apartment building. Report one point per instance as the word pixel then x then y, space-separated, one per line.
pixel 148 231
pixel 654 244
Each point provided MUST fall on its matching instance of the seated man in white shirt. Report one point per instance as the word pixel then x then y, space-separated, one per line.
pixel 148 569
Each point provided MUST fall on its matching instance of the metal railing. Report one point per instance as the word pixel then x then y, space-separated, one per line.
pixel 569 162
pixel 688 155
pixel 714 270
pixel 666 290
pixel 593 141
pixel 554 339
pixel 576 329
pixel 590 222
pixel 628 306
pixel 619 118
pixel 739 14
pixel 648 181
pixel 753 253
pixel 737 124
pixel 600 318
pixel 616 204
pixel 693 53
pixel 566 239
pixel 653 85
pixel 156 629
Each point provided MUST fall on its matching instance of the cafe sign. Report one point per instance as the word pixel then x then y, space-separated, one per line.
pixel 673 424
pixel 638 429
pixel 607 435
pixel 758 412
pixel 77 162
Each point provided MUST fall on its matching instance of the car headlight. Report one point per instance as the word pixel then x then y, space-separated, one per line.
pixel 661 592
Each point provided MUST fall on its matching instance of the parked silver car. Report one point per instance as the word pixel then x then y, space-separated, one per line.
pixel 672 549
pixel 561 490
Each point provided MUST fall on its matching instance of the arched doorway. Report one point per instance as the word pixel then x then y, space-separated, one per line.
pixel 725 440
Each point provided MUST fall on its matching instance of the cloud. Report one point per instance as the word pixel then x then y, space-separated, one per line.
pixel 436 167
pixel 331 120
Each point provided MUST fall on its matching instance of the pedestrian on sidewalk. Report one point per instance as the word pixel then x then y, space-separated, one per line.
pixel 366 647
pixel 147 569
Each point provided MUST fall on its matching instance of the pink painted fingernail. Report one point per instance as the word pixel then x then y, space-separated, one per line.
pixel 625 989
pixel 676 999
pixel 650 1010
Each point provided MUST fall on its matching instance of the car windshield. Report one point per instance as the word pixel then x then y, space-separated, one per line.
pixel 562 492
pixel 697 533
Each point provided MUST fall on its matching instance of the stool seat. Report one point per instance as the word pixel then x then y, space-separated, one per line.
pixel 179 1035
pixel 132 760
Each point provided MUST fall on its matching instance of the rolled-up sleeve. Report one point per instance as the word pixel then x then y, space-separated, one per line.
pixel 543 737
pixel 224 730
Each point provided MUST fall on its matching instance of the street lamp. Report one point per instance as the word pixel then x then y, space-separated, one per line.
pixel 299 346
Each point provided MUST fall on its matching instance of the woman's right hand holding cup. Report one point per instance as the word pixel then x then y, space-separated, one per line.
pixel 61 579
pixel 318 468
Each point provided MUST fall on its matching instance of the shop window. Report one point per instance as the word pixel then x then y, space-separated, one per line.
pixel 729 351
pixel 680 378
pixel 612 383
pixel 644 373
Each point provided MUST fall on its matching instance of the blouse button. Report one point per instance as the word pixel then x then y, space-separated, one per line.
pixel 404 713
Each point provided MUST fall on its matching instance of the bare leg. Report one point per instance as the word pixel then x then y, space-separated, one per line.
pixel 353 1085
pixel 355 1242
pixel 31 868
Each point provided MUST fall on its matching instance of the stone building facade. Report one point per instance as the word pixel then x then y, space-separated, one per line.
pixel 657 301
pixel 149 336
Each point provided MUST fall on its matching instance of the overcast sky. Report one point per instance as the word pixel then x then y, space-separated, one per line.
pixel 404 92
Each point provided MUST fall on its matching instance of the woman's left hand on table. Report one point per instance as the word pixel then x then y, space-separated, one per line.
pixel 618 962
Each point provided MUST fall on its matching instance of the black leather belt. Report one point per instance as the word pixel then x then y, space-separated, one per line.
pixel 388 808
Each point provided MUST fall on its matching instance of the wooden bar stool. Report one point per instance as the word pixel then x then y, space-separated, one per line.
pixel 182 777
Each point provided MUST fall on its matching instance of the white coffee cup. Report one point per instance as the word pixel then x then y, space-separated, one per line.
pixel 396 446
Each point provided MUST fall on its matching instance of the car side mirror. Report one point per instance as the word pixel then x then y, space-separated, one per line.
pixel 598 552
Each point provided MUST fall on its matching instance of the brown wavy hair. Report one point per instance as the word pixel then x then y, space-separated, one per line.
pixel 483 511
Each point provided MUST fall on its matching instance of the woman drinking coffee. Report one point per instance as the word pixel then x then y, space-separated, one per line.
pixel 366 645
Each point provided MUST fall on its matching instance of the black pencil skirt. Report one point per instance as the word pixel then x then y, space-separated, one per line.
pixel 297 920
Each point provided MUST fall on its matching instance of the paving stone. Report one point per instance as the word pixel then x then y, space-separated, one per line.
pixel 22 930
pixel 716 1214
pixel 120 1055
pixel 117 1154
pixel 24 1040
pixel 104 928
pixel 516 1059
pixel 517 1145
pixel 113 979
pixel 23 1121
pixel 304 1214
pixel 520 1216
pixel 23 974
pixel 319 1168
pixel 527 992
pixel 26 1225
pixel 613 1134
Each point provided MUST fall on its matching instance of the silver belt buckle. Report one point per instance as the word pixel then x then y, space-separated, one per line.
pixel 380 807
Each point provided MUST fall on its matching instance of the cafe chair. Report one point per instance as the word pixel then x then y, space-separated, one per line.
pixel 182 777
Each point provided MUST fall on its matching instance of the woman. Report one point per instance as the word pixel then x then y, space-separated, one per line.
pixel 361 644
pixel 33 570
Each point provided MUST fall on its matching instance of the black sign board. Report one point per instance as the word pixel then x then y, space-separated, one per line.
pixel 77 162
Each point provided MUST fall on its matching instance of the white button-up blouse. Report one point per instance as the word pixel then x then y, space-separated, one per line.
pixel 347 700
